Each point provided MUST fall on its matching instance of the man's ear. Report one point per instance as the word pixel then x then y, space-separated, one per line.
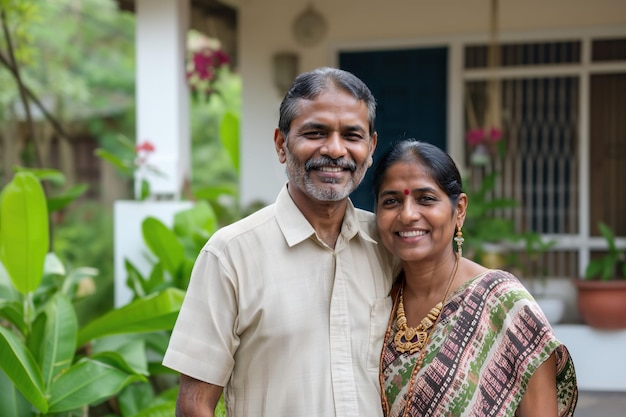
pixel 280 143
pixel 373 143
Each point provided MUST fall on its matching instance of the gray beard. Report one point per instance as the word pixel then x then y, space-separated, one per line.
pixel 302 180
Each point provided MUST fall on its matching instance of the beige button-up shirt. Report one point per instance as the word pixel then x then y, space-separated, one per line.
pixel 289 326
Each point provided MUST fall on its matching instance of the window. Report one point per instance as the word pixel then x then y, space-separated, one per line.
pixel 563 153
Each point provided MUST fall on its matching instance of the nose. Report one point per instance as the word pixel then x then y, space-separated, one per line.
pixel 409 212
pixel 333 146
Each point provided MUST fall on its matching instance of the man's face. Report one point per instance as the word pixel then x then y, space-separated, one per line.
pixel 329 147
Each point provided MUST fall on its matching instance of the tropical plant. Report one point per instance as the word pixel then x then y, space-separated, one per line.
pixel 483 224
pixel 49 364
pixel 611 265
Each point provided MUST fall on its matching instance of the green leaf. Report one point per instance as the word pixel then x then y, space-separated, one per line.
pixel 74 279
pixel 200 216
pixel 155 312
pixel 23 231
pixel 166 409
pixel 54 342
pixel 135 281
pixel 87 382
pixel 129 357
pixel 608 236
pixel 55 176
pixel 164 243
pixel 229 134
pixel 53 265
pixel 12 402
pixel 156 279
pixel 20 366
pixel 213 192
pixel 12 312
pixel 136 397
pixel 144 192
pixel 7 290
pixel 61 201
pixel 123 166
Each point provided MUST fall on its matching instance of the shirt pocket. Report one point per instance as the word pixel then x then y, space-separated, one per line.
pixel 379 319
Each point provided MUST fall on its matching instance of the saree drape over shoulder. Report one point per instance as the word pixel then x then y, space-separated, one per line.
pixel 490 339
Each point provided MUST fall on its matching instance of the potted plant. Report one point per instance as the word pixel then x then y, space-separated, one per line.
pixel 601 295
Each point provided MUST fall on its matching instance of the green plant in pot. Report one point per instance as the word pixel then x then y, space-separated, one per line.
pixel 601 295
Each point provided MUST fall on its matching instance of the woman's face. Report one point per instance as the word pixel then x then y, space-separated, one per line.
pixel 414 215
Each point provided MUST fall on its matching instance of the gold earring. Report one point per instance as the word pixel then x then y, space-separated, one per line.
pixel 459 241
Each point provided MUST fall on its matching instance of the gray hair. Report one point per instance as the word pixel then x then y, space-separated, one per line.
pixel 309 85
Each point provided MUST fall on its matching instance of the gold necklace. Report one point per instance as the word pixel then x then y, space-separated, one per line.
pixel 412 339
pixel 419 334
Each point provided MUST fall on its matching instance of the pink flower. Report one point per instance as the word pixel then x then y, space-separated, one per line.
pixel 495 134
pixel 474 136
pixel 145 146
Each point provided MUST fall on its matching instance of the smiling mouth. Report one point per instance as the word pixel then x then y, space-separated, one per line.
pixel 412 233
pixel 330 169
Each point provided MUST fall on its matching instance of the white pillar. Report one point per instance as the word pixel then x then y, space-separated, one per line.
pixel 163 119
pixel 162 93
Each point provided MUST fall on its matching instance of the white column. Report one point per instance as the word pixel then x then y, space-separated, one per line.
pixel 163 119
pixel 162 94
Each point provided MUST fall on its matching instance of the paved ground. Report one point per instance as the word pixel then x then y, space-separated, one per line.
pixel 601 404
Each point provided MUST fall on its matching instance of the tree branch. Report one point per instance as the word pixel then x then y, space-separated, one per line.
pixel 9 63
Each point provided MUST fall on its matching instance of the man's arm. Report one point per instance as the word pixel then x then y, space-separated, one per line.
pixel 540 396
pixel 196 398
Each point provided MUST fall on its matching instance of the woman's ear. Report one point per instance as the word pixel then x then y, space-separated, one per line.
pixel 461 209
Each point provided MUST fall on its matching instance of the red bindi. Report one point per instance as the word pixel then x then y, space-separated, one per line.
pixel 406 192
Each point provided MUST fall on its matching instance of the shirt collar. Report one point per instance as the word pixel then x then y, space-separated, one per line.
pixel 296 228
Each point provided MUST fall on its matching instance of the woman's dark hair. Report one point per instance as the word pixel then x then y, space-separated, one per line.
pixel 440 165
pixel 309 85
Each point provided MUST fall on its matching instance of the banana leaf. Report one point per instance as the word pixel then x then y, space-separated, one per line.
pixel 152 313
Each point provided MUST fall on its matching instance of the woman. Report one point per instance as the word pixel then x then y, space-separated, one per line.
pixel 462 340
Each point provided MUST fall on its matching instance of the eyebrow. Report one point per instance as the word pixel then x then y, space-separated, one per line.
pixel 394 192
pixel 348 128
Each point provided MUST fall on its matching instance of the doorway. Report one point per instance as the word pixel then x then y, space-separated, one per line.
pixel 410 86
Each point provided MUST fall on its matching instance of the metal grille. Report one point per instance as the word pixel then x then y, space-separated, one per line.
pixel 537 161
pixel 608 50
pixel 525 54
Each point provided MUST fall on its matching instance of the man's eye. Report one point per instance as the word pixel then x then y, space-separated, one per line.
pixel 314 134
pixel 353 136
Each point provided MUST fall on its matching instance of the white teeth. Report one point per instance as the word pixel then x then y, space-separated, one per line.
pixel 331 169
pixel 412 233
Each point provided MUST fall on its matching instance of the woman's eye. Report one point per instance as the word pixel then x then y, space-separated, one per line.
pixel 389 202
pixel 426 199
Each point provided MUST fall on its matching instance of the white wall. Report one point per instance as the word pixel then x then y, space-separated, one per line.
pixel 265 28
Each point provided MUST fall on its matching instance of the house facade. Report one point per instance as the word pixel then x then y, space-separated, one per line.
pixel 561 76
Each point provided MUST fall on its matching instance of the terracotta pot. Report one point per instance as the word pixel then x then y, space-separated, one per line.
pixel 602 304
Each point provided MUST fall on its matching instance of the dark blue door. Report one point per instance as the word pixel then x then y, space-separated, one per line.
pixel 410 86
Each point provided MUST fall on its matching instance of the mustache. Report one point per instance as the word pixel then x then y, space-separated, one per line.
pixel 328 161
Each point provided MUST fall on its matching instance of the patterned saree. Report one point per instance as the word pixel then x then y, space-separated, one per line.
pixel 490 339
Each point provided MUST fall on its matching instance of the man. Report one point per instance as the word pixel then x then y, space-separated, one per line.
pixel 287 308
